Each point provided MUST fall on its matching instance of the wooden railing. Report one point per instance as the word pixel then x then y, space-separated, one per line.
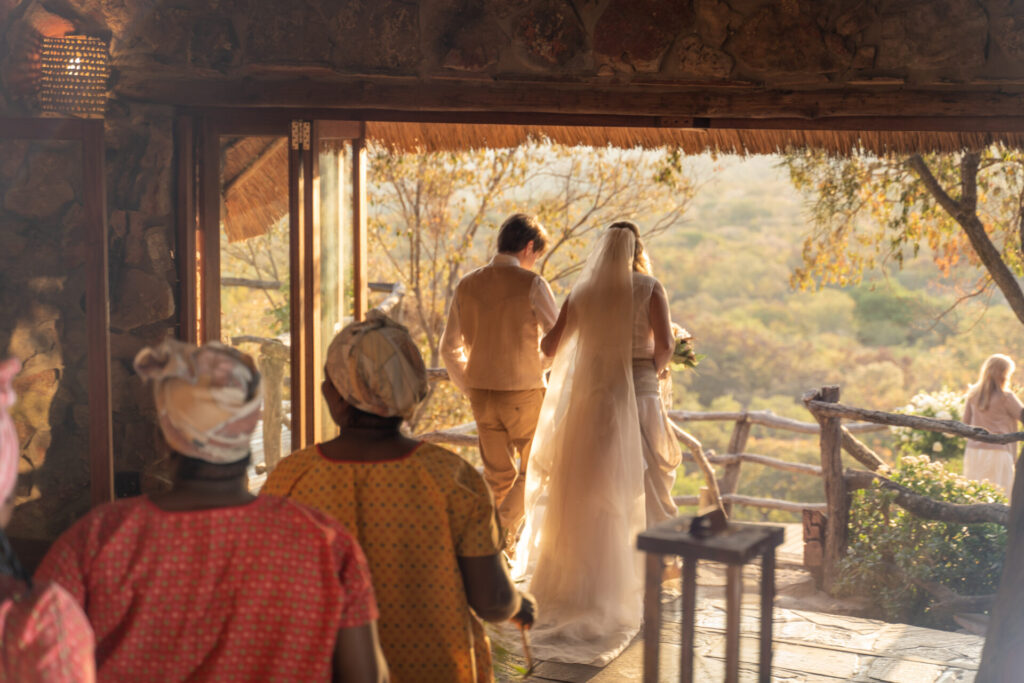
pixel 734 457
pixel 834 438
pixel 725 489
pixel 839 483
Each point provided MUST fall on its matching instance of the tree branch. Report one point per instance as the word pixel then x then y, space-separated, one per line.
pixel 951 206
pixel 928 508
pixel 965 215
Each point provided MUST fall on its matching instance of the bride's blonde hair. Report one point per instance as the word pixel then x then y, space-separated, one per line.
pixel 993 379
pixel 641 263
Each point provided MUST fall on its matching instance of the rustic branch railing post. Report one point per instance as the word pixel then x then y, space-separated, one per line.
pixel 737 444
pixel 273 358
pixel 835 489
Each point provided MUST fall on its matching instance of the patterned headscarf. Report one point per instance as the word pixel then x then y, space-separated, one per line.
pixel 9 447
pixel 376 367
pixel 208 398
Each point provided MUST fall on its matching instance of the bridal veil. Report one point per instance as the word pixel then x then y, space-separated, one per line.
pixel 584 484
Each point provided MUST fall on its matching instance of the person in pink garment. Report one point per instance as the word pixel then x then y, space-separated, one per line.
pixel 992 406
pixel 44 635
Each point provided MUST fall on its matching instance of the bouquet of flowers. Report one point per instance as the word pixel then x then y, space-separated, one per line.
pixel 684 356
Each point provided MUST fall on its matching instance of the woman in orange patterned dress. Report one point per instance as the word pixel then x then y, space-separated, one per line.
pixel 423 515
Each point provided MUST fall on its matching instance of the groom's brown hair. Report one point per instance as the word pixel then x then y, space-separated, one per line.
pixel 520 229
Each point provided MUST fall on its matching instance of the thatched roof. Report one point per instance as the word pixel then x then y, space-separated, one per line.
pixel 412 136
pixel 254 185
pixel 254 170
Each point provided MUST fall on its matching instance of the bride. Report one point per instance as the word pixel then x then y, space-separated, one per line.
pixel 585 483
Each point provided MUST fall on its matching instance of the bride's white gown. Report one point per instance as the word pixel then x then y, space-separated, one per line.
pixel 584 486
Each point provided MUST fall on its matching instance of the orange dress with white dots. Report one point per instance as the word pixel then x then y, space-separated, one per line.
pixel 412 516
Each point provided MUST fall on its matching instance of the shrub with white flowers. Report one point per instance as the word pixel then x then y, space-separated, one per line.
pixel 941 405
pixel 888 545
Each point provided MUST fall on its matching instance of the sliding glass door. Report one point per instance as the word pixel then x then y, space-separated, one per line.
pixel 275 260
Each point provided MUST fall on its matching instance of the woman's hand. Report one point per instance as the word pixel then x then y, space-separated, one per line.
pixel 527 613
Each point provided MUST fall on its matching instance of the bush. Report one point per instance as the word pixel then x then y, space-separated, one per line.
pixel 941 405
pixel 888 546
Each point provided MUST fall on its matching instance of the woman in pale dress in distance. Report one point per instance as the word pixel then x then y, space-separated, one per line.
pixel 585 497
pixel 992 406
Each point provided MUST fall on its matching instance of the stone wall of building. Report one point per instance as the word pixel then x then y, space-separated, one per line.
pixel 787 44
pixel 43 323
pixel 42 317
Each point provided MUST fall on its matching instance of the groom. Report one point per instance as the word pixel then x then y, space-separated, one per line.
pixel 491 347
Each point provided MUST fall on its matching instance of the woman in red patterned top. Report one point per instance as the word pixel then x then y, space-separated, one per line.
pixel 207 582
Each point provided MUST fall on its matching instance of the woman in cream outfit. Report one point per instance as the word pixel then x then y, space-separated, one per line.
pixel 992 406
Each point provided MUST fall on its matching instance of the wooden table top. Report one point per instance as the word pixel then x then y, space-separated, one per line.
pixel 737 544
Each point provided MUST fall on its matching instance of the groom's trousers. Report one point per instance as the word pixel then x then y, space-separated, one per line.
pixel 505 422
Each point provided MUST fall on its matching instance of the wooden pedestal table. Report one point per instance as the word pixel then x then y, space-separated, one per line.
pixel 735 546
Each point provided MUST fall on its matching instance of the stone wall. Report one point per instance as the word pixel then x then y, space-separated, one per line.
pixel 43 323
pixel 773 46
pixel 42 289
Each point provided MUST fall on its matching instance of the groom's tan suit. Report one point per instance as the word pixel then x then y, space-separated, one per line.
pixel 491 348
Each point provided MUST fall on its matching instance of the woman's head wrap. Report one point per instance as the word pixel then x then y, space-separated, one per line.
pixel 207 399
pixel 376 367
pixel 9 446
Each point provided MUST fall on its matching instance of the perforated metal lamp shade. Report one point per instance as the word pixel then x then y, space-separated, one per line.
pixel 74 72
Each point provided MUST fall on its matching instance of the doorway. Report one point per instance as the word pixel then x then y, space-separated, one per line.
pixel 272 244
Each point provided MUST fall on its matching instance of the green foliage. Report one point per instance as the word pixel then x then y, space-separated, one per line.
pixel 872 211
pixel 281 313
pixel 889 548
pixel 941 405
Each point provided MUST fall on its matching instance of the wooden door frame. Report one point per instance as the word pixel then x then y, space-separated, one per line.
pixel 88 132
pixel 198 235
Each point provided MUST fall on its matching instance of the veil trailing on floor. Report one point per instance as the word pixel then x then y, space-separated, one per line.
pixel 584 482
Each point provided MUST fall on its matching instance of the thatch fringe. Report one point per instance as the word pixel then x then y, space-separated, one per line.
pixel 255 169
pixel 411 136
pixel 254 185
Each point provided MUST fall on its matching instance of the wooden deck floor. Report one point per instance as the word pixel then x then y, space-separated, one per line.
pixel 808 645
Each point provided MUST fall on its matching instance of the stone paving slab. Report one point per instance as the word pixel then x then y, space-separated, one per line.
pixel 808 646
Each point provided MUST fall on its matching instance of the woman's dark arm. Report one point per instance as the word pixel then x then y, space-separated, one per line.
pixel 549 343
pixel 358 657
pixel 491 593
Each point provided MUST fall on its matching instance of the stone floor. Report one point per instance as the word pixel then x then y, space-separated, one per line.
pixel 809 645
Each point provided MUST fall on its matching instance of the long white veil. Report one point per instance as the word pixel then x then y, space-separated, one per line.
pixel 584 482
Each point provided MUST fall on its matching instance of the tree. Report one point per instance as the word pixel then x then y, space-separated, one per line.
pixel 868 209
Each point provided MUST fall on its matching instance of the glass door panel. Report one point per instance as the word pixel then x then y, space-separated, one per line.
pixel 332 261
pixel 255 276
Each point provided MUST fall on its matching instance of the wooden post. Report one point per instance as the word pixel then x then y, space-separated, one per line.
pixel 97 306
pixel 689 618
pixel 652 616
pixel 733 603
pixel 1002 656
pixel 835 490
pixel 185 228
pixel 359 243
pixel 737 444
pixel 764 668
pixel 814 544
pixel 273 361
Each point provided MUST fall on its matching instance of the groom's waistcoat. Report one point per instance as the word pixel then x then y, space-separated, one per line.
pixel 499 329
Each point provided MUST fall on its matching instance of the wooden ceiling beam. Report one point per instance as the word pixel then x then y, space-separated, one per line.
pixel 644 105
